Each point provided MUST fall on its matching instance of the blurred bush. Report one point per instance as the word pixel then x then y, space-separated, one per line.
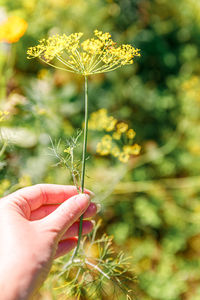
pixel 154 209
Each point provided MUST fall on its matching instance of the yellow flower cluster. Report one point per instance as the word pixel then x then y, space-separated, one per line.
pixel 3 114
pixel 67 150
pixel 105 145
pixel 191 88
pixel 99 120
pixel 12 29
pixel 111 144
pixel 96 55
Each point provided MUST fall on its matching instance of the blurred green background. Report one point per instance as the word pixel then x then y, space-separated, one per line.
pixel 152 207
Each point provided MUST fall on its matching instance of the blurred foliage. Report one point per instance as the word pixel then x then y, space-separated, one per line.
pixel 154 209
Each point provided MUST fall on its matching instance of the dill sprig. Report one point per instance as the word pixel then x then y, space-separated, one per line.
pixel 97 270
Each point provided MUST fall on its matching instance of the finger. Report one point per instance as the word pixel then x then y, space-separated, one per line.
pixel 74 229
pixel 45 210
pixel 42 194
pixel 65 246
pixel 92 210
pixel 66 214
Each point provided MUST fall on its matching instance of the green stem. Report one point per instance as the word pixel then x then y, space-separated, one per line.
pixel 85 136
pixel 83 163
pixel 3 149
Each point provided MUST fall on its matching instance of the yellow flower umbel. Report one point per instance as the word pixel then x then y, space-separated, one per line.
pixel 96 55
pixel 12 29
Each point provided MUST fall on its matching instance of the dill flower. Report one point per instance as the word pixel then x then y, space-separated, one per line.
pixel 12 29
pixel 106 139
pixel 124 157
pixel 111 122
pixel 135 149
pixel 132 149
pixel 130 134
pixel 191 88
pixel 116 135
pixel 115 151
pixel 96 55
pixel 112 143
pixel 103 148
pixel 122 127
pixel 100 120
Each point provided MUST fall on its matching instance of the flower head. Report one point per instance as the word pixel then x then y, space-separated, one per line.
pixel 12 29
pixel 130 134
pixel 122 127
pixel 96 55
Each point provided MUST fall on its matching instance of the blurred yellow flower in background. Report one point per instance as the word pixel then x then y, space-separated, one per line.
pixel 3 114
pixel 122 127
pixel 116 135
pixel 191 88
pixel 104 146
pixel 100 120
pixel 132 149
pixel 130 134
pixel 124 157
pixel 113 143
pixel 12 29
pixel 115 151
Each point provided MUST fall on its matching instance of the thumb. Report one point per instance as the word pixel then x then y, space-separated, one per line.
pixel 67 213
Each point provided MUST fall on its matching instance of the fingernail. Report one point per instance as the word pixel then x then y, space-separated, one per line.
pixel 93 222
pixel 98 207
pixel 83 196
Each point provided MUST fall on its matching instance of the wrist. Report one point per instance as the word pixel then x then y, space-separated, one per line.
pixel 16 283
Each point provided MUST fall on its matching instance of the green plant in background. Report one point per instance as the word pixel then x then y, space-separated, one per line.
pixel 3 141
pixel 96 55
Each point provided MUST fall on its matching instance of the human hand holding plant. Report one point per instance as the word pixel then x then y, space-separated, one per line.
pixel 38 224
pixel 99 54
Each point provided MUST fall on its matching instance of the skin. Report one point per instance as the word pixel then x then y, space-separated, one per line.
pixel 37 225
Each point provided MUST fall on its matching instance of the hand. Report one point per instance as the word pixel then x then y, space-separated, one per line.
pixel 38 224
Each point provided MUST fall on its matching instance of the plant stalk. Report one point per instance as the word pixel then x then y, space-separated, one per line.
pixel 83 163
pixel 3 148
